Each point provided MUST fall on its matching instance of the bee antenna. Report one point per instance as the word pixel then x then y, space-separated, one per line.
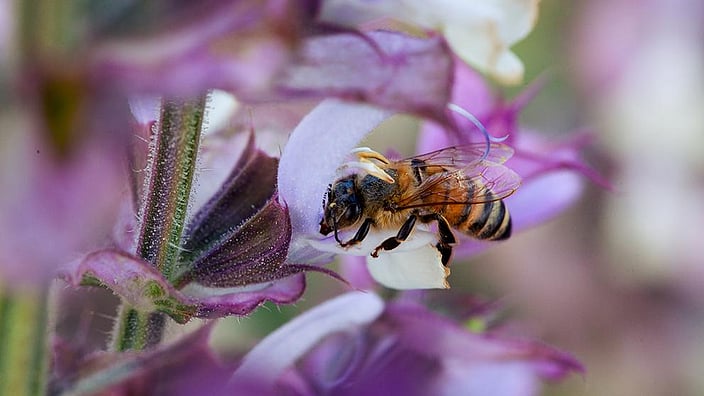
pixel 488 138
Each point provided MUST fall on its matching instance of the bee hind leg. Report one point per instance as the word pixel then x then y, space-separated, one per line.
pixel 447 237
pixel 393 242
pixel 445 252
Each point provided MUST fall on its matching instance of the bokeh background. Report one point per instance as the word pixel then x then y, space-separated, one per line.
pixel 618 279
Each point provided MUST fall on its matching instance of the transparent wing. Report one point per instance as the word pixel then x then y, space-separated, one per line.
pixel 459 157
pixel 455 175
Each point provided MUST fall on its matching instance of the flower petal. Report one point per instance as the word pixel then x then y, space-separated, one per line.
pixel 305 172
pixel 410 269
pixel 480 32
pixel 412 351
pixel 219 302
pixel 252 252
pixel 186 367
pixel 241 235
pixel 282 348
pixel 389 69
pixel 135 280
pixel 54 206
pixel 477 354
pixel 239 46
pixel 145 288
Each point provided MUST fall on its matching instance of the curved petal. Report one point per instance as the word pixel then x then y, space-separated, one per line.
pixel 281 349
pixel 390 69
pixel 145 288
pixel 305 172
pixel 218 302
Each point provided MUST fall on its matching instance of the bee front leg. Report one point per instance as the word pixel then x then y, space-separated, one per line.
pixel 360 234
pixel 393 242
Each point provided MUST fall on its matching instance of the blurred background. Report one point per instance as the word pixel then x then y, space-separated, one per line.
pixel 618 279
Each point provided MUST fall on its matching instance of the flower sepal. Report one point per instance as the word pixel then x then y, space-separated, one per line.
pixel 144 288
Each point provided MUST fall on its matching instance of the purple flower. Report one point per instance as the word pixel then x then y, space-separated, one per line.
pixel 551 176
pixel 355 344
pixel 54 206
pixel 185 367
pixel 351 345
pixel 389 69
pixel 233 257
pixel 236 45
pixel 552 172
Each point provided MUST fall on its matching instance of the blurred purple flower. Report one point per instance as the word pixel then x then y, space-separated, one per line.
pixel 389 69
pixel 552 172
pixel 53 207
pixel 185 367
pixel 355 344
pixel 236 45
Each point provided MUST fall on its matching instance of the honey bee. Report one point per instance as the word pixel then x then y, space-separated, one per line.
pixel 459 187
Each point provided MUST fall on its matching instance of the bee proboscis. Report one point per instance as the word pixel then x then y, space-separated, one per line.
pixel 459 187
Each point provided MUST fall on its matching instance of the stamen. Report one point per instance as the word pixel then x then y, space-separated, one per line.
pixel 365 153
pixel 369 168
pixel 488 138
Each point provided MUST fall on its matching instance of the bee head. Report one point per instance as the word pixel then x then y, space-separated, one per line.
pixel 342 208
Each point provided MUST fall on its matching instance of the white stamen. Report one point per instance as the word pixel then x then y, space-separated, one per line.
pixel 369 168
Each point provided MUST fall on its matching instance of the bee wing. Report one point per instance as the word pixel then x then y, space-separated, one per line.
pixel 462 156
pixel 479 182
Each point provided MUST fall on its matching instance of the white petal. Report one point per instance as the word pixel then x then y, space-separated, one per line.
pixel 282 348
pixel 415 269
pixel 482 48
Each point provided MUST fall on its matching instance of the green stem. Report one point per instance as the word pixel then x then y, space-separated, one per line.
pixel 173 166
pixel 168 186
pixel 23 349
pixel 138 330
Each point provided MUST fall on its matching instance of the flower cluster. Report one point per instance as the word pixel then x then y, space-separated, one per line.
pixel 168 250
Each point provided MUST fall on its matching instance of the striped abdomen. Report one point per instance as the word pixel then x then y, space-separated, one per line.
pixel 485 220
pixel 488 220
pixel 474 210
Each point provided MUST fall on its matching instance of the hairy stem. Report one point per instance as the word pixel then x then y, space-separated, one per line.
pixel 163 212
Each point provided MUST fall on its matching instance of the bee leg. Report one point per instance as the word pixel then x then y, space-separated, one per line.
pixel 360 234
pixel 393 242
pixel 445 252
pixel 444 229
pixel 446 236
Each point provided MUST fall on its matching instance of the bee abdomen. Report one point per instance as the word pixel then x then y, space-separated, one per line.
pixel 488 220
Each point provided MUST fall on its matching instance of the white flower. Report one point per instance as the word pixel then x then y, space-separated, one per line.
pixel 480 32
